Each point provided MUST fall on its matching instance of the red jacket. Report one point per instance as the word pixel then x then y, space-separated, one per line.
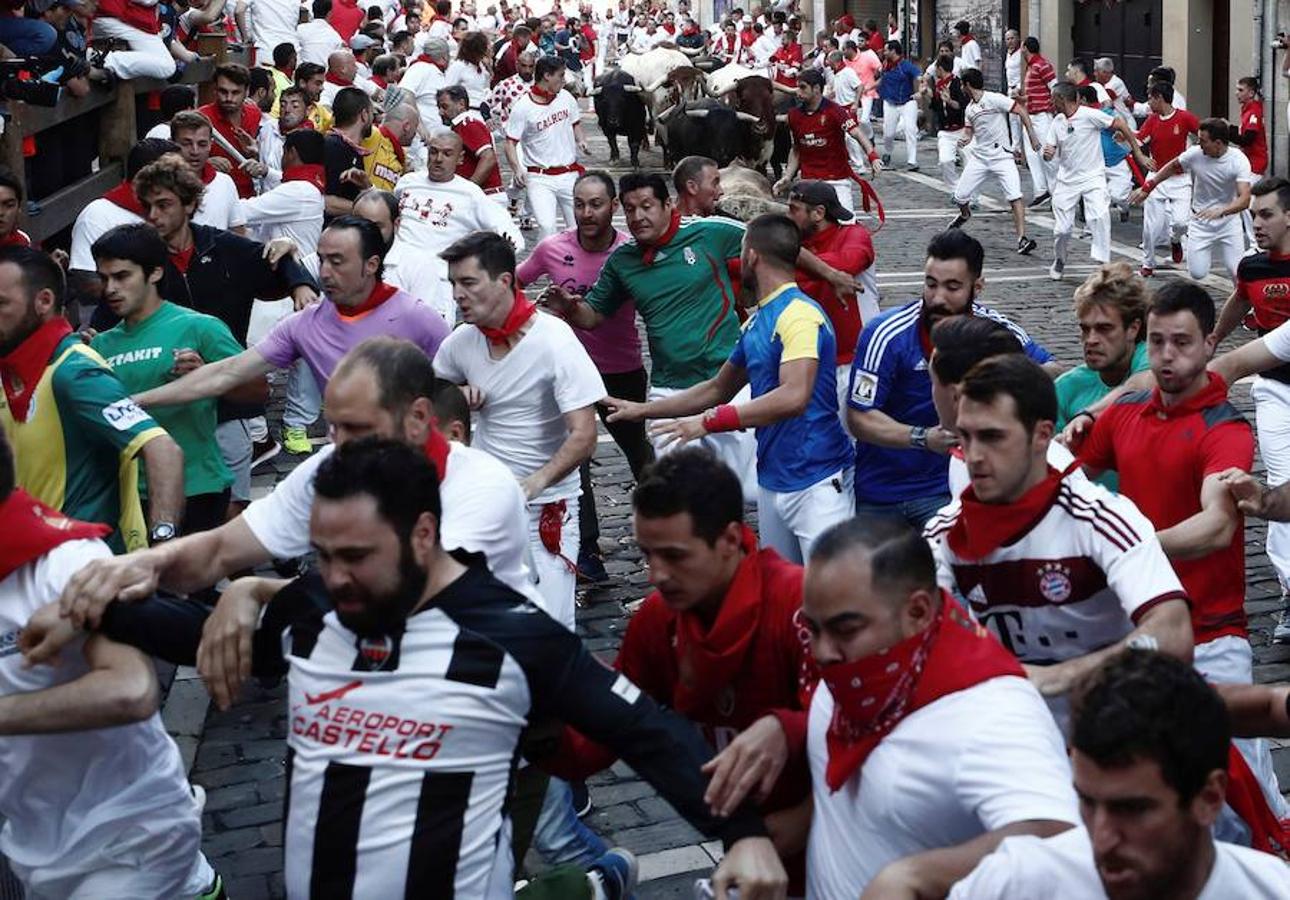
pixel 250 123
pixel 848 248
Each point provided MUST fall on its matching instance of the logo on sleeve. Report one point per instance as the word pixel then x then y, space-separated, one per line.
pixel 124 414
pixel 864 388
pixel 628 692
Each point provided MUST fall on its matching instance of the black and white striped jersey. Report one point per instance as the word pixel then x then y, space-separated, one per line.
pixel 403 748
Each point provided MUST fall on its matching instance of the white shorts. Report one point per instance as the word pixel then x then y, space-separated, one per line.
pixel 976 170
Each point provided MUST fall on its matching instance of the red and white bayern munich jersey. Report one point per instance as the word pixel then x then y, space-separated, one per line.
pixel 1078 581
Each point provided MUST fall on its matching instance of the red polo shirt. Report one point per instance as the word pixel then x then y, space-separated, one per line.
pixel 1168 137
pixel 1163 454
pixel 250 123
pixel 1252 120
pixel 850 249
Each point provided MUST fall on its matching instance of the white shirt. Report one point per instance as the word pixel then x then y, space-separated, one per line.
pixel 764 48
pixel 293 209
pixel 1028 866
pixel 527 393
pixel 1277 341
pixel 317 40
pixel 970 762
pixel 270 142
pixel 970 53
pixel 1213 180
pixel 545 130
pixel 432 215
pixel 94 221
pixel 1013 66
pixel 846 86
pixel 77 801
pixel 220 207
pixel 424 79
pixel 1115 85
pixel 988 119
pixel 475 79
pixel 160 131
pixel 1079 146
pixel 274 22
pixel 483 512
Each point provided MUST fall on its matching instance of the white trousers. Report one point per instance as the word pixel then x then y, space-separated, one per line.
pixel 1097 214
pixel 866 117
pixel 1226 237
pixel 842 187
pixel 947 154
pixel 737 449
pixel 1230 660
pixel 905 118
pixel 977 171
pixel 555 577
pixel 1272 420
pixel 547 193
pixel 1165 216
pixel 1119 181
pixel 1043 173
pixel 146 58
pixel 792 522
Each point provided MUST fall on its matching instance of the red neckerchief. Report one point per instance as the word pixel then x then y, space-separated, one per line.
pixel 522 310
pixel 1212 394
pixel 943 83
pixel 123 196
pixel 709 658
pixel 289 71
pixel 208 173
pixel 306 122
pixel 541 95
pixel 313 173
pixel 32 529
pixel 182 259
pixel 16 238
pixel 968 37
pixel 335 79
pixel 21 369
pixel 394 142
pixel 426 59
pixel 379 295
pixel 648 254
pixel 871 695
pixel 436 449
pixel 380 82
pixel 1246 797
pixel 982 528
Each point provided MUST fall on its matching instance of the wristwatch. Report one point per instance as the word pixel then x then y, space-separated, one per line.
pixel 162 532
pixel 918 437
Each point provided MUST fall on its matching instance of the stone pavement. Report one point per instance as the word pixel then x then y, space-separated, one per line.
pixel 238 756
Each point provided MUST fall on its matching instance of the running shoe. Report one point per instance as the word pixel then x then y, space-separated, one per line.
pixel 911 167
pixel 215 891
pixel 582 804
pixel 1025 245
pixel 961 219
pixel 1056 270
pixel 591 568
pixel 1175 252
pixel 263 451
pixel 613 876
pixel 1146 271
pixel 1040 200
pixel 296 440
pixel 1281 633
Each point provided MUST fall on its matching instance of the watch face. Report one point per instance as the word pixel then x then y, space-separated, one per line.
pixel 163 531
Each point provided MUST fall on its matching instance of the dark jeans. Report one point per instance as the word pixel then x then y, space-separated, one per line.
pixel 630 438
pixel 916 511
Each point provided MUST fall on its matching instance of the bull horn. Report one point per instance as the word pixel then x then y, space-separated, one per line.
pixel 781 118
pixel 746 116
pixel 658 117
pixel 656 85
pixel 697 113
pixel 595 91
pixel 632 88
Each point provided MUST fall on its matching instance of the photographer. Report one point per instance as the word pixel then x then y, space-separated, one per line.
pixel 24 36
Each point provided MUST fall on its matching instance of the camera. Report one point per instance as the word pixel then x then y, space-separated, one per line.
pixel 1280 42
pixel 21 79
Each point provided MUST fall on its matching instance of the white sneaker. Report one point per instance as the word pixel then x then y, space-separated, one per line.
pixel 1056 269
pixel 1281 633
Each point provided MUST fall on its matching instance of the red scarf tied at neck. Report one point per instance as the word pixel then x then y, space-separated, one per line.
pixel 379 295
pixel 983 528
pixel 313 173
pixel 380 82
pixel 336 79
pixel 208 173
pixel 522 310
pixel 32 529
pixel 541 94
pixel 711 657
pixel 648 254
pixel 436 449
pixel 123 196
pixel 22 368
pixel 871 695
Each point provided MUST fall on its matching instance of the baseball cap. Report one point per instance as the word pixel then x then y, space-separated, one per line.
pixel 361 42
pixel 818 193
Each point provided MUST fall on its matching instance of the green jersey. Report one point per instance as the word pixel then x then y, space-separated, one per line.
pixel 1081 387
pixel 76 450
pixel 143 355
pixel 683 293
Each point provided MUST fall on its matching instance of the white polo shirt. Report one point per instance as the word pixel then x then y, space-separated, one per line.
pixel 970 762
pixel 1062 866
pixel 1078 139
pixel 94 221
pixel 988 119
pixel 527 393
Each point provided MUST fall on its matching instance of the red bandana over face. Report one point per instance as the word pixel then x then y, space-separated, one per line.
pixel 871 695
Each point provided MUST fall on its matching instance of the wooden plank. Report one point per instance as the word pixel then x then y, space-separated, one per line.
pixel 117 126
pixel 59 210
pixel 36 119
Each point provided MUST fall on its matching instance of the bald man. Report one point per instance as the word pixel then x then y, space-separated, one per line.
pixel 437 207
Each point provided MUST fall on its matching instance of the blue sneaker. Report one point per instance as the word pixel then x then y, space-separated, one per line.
pixel 613 876
pixel 591 568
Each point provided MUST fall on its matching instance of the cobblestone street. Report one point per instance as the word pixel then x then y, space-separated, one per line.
pixel 238 756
